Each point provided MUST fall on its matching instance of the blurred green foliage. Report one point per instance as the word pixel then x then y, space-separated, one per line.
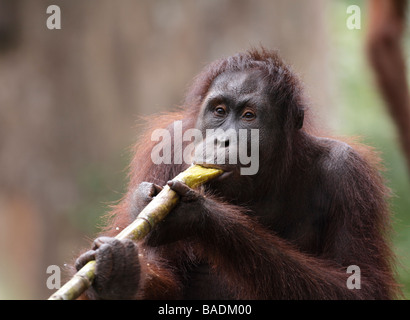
pixel 101 187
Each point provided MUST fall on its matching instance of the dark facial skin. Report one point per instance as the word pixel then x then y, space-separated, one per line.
pixel 237 100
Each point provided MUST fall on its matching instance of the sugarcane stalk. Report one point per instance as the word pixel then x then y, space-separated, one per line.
pixel 150 216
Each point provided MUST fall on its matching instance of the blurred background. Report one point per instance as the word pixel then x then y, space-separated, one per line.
pixel 71 101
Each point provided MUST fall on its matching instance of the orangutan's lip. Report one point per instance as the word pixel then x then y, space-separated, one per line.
pixel 224 175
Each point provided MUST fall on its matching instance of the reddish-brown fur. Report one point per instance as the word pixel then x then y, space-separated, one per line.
pixel 387 24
